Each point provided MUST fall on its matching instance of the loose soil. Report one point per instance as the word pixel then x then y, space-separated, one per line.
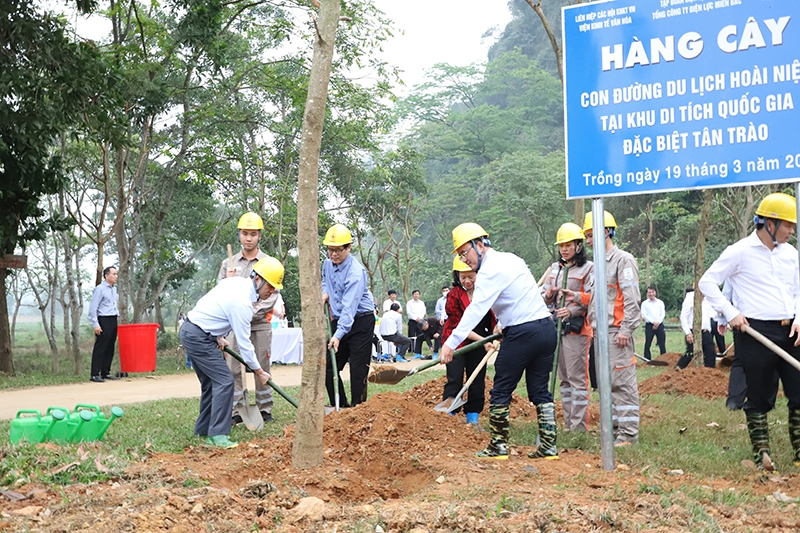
pixel 395 463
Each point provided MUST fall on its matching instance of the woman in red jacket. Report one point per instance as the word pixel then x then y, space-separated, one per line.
pixel 458 299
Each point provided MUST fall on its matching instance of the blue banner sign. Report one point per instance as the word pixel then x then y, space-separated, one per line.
pixel 664 95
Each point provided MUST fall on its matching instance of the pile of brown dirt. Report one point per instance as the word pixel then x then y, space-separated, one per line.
pixel 708 383
pixel 670 357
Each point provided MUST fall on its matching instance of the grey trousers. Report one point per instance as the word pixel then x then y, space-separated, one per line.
pixel 216 381
pixel 262 343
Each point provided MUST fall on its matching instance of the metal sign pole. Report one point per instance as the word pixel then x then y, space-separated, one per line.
pixel 601 334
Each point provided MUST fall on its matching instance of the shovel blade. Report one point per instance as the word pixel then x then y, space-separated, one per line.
pixel 458 402
pixel 444 406
pixel 251 416
pixel 387 375
pixel 656 362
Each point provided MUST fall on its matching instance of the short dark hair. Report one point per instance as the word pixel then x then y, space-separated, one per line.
pixel 395 306
pixel 688 290
pixel 414 291
pixel 106 270
pixel 652 288
pixel 391 291
pixel 445 287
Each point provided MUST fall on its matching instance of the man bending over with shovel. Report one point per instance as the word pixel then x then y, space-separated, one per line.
pixel 226 307
pixel 505 285
pixel 761 272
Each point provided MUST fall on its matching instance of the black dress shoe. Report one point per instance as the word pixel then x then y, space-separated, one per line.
pixel 236 420
pixel 110 377
pixel 266 417
pixel 97 379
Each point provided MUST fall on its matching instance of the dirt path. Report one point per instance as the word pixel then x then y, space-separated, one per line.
pixel 132 390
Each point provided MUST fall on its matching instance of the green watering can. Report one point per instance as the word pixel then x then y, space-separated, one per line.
pixel 86 423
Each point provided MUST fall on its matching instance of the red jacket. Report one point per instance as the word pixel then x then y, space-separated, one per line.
pixel 457 302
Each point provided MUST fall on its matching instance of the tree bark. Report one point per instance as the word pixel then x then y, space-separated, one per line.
pixel 699 267
pixel 6 359
pixel 307 449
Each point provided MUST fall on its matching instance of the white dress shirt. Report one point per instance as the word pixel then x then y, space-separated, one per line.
pixel 391 323
pixel 226 307
pixel 505 285
pixel 653 311
pixel 387 305
pixel 687 314
pixel 763 283
pixel 416 310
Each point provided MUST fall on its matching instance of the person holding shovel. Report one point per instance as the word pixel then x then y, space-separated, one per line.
pixel 761 273
pixel 505 285
pixel 241 264
pixel 344 285
pixel 458 299
pixel 576 332
pixel 225 308
pixel 622 282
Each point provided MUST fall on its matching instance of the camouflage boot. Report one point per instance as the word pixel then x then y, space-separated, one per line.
pixel 794 434
pixel 758 430
pixel 546 416
pixel 498 431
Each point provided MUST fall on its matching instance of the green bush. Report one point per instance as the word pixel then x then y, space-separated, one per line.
pixel 167 340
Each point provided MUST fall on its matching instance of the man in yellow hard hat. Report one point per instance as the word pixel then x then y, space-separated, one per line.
pixel 250 227
pixel 345 287
pixel 624 315
pixel 760 273
pixel 505 285
pixel 226 308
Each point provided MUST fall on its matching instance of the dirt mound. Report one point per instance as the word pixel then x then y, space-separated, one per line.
pixel 708 383
pixel 670 357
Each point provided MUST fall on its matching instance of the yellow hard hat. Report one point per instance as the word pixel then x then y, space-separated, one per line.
pixel 569 232
pixel 778 205
pixel 460 266
pixel 608 221
pixel 271 270
pixel 250 221
pixel 338 235
pixel 466 232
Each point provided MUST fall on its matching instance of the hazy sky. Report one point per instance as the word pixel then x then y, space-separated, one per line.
pixel 440 31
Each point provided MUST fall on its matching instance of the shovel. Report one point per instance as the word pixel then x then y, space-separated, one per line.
pixel 333 358
pixel 559 327
pixel 651 362
pixel 271 383
pixel 772 346
pixel 391 375
pixel 450 405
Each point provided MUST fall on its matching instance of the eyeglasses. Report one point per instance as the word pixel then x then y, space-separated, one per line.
pixel 337 251
pixel 464 254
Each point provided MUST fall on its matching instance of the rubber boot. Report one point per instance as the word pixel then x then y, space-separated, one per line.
pixel 498 432
pixel 472 418
pixel 758 430
pixel 546 416
pixel 794 434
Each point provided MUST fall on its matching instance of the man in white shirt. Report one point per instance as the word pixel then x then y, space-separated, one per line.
pixel 387 303
pixel 228 306
pixel 653 313
pixel 505 285
pixel 391 329
pixel 415 308
pixel 441 316
pixel 687 320
pixel 761 272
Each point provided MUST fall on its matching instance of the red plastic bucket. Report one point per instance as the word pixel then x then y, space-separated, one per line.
pixel 137 347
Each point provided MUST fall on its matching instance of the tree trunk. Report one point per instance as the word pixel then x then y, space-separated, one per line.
pixel 48 331
pixel 699 267
pixel 307 449
pixel 6 359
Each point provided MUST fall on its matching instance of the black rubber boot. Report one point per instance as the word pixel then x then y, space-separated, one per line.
pixel 758 430
pixel 794 434
pixel 498 431
pixel 546 416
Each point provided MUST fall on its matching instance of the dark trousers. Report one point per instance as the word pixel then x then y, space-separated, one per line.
pixel 355 348
pixel 103 351
pixel 763 368
pixel 719 338
pixel 415 330
pixel 709 353
pixel 661 338
pixel 527 348
pixel 737 385
pixel 216 381
pixel 401 341
pixel 457 369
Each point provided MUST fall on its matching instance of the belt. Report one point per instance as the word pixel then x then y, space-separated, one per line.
pixel 358 315
pixel 784 322
pixel 198 327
